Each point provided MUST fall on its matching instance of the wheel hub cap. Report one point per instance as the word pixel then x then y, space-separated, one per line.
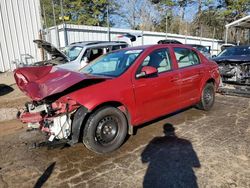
pixel 106 129
pixel 208 96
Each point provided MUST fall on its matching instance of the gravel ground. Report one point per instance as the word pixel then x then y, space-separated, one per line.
pixel 190 149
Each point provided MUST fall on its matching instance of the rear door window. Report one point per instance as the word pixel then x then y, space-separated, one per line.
pixel 186 57
pixel 93 53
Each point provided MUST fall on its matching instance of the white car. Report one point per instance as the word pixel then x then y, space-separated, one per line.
pixel 79 54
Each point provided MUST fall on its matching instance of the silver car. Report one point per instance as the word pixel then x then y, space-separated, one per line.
pixel 78 54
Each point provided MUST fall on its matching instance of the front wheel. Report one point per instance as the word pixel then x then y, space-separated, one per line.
pixel 105 130
pixel 207 97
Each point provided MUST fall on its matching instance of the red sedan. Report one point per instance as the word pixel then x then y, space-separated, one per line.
pixel 103 102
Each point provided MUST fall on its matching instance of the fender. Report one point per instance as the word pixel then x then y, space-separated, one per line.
pixel 79 118
pixel 213 76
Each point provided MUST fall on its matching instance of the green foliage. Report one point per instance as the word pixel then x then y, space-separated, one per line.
pixel 209 20
pixel 87 12
pixel 215 16
pixel 235 9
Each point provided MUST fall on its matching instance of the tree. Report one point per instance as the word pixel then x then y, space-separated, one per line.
pixel 139 14
pixel 235 9
pixel 154 15
pixel 182 4
pixel 87 12
pixel 215 15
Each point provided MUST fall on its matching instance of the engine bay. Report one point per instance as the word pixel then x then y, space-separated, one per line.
pixel 55 118
pixel 235 72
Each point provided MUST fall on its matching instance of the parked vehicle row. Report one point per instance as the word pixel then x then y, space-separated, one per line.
pixel 77 55
pixel 110 96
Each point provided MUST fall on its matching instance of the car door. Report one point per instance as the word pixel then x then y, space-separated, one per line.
pixel 191 74
pixel 158 94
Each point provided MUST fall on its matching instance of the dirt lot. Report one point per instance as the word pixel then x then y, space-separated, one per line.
pixel 208 149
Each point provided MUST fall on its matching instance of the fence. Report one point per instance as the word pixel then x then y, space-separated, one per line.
pixel 20 24
pixel 62 35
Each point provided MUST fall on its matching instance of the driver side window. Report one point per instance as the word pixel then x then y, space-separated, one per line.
pixel 160 59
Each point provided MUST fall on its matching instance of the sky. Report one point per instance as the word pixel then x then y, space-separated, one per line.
pixel 189 15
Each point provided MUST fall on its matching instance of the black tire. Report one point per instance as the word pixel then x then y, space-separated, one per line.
pixel 207 97
pixel 105 130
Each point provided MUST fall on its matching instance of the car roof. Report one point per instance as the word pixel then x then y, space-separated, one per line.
pixel 97 43
pixel 168 41
pixel 198 45
pixel 242 46
pixel 238 47
pixel 155 46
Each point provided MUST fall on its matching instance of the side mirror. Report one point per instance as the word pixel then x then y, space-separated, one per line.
pixel 147 71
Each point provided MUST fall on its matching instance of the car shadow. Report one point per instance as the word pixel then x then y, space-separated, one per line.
pixel 5 89
pixel 45 176
pixel 170 161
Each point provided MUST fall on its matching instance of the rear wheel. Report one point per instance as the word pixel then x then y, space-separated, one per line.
pixel 207 97
pixel 105 130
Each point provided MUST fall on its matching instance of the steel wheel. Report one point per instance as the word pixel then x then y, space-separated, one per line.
pixel 207 97
pixel 107 130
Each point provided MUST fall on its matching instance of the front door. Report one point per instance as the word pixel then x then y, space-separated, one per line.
pixel 158 94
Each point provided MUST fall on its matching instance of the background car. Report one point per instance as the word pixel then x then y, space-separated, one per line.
pixel 169 41
pixel 129 38
pixel 103 102
pixel 205 50
pixel 78 54
pixel 228 45
pixel 234 65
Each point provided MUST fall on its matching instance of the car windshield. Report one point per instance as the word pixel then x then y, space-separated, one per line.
pixel 73 52
pixel 112 64
pixel 242 51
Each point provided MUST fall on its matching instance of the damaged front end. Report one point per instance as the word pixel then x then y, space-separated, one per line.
pixel 53 118
pixel 235 78
pixel 52 110
pixel 235 72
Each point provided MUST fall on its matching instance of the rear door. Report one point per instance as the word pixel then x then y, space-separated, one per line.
pixel 159 94
pixel 191 73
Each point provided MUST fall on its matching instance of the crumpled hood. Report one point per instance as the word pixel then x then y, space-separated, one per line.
pixel 41 82
pixel 235 58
